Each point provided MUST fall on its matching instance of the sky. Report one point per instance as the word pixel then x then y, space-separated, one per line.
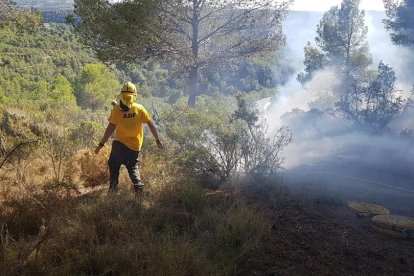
pixel 324 5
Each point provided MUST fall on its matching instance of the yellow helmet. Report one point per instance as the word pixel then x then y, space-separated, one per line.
pixel 128 94
pixel 129 87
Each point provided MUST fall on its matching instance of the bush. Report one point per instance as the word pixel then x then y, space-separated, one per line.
pixel 95 86
pixel 193 198
pixel 86 133
pixel 89 168
pixel 211 140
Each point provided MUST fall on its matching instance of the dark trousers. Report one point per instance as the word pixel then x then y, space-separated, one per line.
pixel 122 155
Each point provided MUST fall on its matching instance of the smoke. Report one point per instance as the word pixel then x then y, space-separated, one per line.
pixel 318 93
pixel 299 28
pixel 332 154
pixel 398 57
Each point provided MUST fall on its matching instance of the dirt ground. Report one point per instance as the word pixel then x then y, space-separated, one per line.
pixel 313 235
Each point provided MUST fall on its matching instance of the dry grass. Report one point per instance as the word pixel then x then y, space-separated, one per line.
pixel 173 229
pixel 178 228
pixel 115 234
pixel 88 168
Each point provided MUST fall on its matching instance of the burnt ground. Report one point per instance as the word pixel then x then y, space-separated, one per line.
pixel 314 235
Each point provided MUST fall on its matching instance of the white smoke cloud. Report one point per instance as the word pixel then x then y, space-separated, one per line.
pixel 333 149
pixel 318 93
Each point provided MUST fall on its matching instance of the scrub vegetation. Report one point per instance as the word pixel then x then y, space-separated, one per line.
pixel 212 203
pixel 56 216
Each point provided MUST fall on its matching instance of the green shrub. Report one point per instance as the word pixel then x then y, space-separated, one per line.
pixel 216 139
pixel 193 198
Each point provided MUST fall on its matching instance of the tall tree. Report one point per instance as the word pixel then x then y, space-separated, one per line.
pixel 95 86
pixel 62 94
pixel 197 34
pixel 400 21
pixel 366 97
pixel 374 105
pixel 341 42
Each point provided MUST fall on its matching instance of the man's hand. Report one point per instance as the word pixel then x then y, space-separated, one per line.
pixel 159 144
pixel 98 149
pixel 154 133
pixel 108 132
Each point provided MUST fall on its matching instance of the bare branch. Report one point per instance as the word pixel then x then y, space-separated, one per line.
pixel 14 149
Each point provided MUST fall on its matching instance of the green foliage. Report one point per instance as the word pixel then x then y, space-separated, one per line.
pixel 257 78
pixel 50 223
pixel 3 98
pixel 365 97
pixel 86 133
pixel 243 113
pixel 193 198
pixel 122 30
pixel 379 102
pixel 150 75
pixel 204 136
pixel 400 21
pixel 28 21
pixel 236 231
pixel 314 61
pixel 25 21
pixel 61 93
pixel 220 138
pixel 95 86
pixel 260 149
pixel 245 76
pixel 181 32
pixel 18 126
pixel 342 42
pixel 34 66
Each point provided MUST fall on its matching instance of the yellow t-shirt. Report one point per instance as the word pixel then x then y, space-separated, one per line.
pixel 129 125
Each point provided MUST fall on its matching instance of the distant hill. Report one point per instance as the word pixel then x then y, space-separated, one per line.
pixel 53 11
pixel 46 4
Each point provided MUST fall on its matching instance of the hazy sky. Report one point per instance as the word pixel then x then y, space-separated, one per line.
pixel 324 5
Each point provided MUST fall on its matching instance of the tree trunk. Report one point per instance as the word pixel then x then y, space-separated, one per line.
pixel 193 86
pixel 192 83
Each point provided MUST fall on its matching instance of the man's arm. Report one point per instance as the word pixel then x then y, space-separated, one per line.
pixel 108 132
pixel 154 133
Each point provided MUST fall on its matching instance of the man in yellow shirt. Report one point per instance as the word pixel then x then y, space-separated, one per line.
pixel 128 119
